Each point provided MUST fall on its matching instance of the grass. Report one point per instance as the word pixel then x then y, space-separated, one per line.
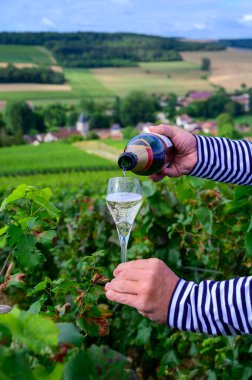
pixel 118 144
pixel 244 119
pixel 28 159
pixel 26 54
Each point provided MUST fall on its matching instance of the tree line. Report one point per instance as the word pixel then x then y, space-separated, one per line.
pixel 88 49
pixel 12 74
pixel 19 118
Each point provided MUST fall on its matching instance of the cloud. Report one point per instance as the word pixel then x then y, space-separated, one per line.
pixel 47 22
pixel 246 19
pixel 200 26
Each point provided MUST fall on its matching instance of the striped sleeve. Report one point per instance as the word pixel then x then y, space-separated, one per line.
pixel 215 308
pixel 224 160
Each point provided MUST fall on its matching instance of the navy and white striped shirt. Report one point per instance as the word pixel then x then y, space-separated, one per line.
pixel 216 307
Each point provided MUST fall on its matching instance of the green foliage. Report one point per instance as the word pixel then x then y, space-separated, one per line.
pixel 214 106
pixel 206 64
pixel 201 229
pixel 129 133
pixel 12 74
pixel 226 127
pixel 137 107
pixel 55 116
pixel 18 117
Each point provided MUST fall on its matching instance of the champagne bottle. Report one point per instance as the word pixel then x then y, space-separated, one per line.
pixel 147 154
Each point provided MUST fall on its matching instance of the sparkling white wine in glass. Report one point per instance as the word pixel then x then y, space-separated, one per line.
pixel 124 200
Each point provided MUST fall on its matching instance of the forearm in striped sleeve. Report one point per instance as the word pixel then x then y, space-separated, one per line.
pixel 215 308
pixel 224 160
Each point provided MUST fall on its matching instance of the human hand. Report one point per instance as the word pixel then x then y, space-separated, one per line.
pixel 186 155
pixel 147 285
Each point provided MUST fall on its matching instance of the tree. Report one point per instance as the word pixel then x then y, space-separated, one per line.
pixel 99 120
pixel 171 106
pixel 205 64
pixel 116 115
pixel 55 116
pixel 226 127
pixel 19 118
pixel 137 107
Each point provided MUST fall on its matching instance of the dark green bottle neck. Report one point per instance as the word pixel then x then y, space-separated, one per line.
pixel 127 161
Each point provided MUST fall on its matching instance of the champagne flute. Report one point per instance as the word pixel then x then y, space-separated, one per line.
pixel 124 200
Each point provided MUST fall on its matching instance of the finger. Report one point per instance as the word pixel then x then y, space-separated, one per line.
pixel 126 299
pixel 166 130
pixel 171 171
pixel 130 265
pixel 123 286
pixel 157 177
pixel 135 274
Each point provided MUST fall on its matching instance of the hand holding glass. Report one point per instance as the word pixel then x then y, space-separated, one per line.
pixel 124 200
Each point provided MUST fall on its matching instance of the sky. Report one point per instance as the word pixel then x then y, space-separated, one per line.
pixel 197 19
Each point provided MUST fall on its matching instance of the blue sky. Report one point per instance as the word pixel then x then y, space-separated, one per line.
pixel 191 19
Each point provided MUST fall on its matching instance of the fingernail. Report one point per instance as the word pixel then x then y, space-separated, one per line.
pixel 107 285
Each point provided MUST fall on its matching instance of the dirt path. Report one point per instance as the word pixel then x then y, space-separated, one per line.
pixel 100 149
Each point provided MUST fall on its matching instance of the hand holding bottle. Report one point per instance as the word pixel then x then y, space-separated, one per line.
pixel 185 151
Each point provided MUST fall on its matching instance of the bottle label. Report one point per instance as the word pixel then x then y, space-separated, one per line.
pixel 165 139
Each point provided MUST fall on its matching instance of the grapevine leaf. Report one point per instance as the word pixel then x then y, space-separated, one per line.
pixel 234 206
pixel 41 373
pixel 250 225
pixel 46 237
pixel 144 332
pixel 18 193
pixel 50 208
pixel 36 333
pixel 70 334
pixel 248 244
pixel 205 217
pixel 14 235
pixel 36 307
pixel 39 287
pixel 148 188
pixel 27 254
pixel 81 363
pixel 34 192
pixel 3 230
pixel 88 325
pixel 14 365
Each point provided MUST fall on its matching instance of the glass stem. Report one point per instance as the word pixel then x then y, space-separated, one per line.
pixel 124 243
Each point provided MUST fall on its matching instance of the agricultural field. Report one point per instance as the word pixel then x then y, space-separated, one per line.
pixel 71 181
pixel 50 157
pixel 26 54
pixel 154 77
pixel 229 68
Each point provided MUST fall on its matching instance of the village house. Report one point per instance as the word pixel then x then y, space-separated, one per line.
pixel 194 97
pixel 186 122
pixel 243 100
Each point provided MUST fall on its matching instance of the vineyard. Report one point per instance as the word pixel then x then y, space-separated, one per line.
pixel 63 248
pixel 49 158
